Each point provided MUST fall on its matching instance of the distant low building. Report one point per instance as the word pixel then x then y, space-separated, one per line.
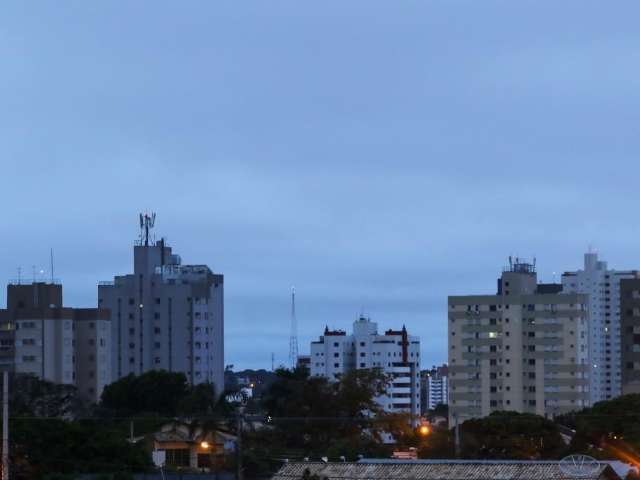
pixel 304 361
pixel 395 353
pixel 184 447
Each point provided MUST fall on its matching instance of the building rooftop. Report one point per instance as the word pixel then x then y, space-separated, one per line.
pixel 383 469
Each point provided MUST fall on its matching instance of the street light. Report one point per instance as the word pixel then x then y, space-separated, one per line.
pixel 204 444
pixel 424 430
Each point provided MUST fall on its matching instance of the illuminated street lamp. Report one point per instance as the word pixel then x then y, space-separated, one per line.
pixel 204 444
pixel 424 430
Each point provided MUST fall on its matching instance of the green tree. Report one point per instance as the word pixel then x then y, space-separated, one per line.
pixel 315 415
pixel 41 447
pixel 157 391
pixel 511 435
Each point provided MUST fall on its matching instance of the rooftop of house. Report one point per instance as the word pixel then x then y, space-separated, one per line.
pixel 372 469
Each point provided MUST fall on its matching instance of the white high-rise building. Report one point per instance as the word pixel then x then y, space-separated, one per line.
pixel 436 387
pixel 395 353
pixel 166 316
pixel 603 287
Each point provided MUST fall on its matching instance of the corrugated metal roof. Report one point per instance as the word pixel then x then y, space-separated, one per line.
pixel 437 470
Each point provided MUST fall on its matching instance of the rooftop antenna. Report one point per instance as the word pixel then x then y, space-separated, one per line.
pixel 147 221
pixel 273 362
pixel 293 338
pixel 52 277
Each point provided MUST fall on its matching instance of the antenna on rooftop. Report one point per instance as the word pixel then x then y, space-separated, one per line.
pixel 293 338
pixel 147 221
pixel 52 277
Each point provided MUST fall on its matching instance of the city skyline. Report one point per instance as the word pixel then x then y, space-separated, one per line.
pixel 379 157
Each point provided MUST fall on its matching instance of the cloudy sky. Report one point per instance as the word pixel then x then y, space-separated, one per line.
pixel 377 155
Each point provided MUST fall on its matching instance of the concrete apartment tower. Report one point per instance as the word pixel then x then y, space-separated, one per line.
pixel 630 328
pixel 39 336
pixel 395 353
pixel 523 349
pixel 434 387
pixel 603 287
pixel 166 316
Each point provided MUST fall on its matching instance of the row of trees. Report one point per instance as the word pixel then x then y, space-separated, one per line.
pixel 304 417
pixel 54 430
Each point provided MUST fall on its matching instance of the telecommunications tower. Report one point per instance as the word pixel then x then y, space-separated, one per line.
pixel 293 338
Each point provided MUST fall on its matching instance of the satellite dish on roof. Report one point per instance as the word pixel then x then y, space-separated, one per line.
pixel 580 466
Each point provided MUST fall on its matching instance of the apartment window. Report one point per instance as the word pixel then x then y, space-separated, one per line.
pixel 335 344
pixel 92 341
pixel 156 330
pixel 156 345
pixel 362 344
pixel 336 355
pixel 156 360
pixel 362 365
pixel 29 341
pixel 156 315
pixel 336 365
pixel 157 300
pixel 92 325
pixel 131 301
pixel 362 354
pixel 28 358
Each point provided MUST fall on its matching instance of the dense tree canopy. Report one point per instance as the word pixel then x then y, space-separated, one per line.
pixel 609 428
pixel 511 435
pixel 315 417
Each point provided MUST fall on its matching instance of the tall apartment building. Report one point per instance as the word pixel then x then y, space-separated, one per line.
pixel 523 349
pixel 630 328
pixel 603 287
pixel 435 387
pixel 395 353
pixel 40 336
pixel 165 315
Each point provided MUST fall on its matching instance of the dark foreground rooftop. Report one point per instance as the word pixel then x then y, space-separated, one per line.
pixel 445 469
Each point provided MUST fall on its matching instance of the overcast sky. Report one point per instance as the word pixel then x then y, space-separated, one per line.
pixel 377 155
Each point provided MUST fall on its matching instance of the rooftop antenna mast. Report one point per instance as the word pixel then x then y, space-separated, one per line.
pixel 146 223
pixel 52 277
pixel 293 338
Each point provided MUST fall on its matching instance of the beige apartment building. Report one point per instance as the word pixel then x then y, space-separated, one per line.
pixel 524 349
pixel 59 344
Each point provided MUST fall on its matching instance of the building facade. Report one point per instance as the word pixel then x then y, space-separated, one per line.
pixel 395 353
pixel 56 343
pixel 605 333
pixel 435 387
pixel 523 349
pixel 166 316
pixel 630 328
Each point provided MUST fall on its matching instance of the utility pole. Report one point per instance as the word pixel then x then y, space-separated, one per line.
pixel 457 435
pixel 5 425
pixel 239 474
